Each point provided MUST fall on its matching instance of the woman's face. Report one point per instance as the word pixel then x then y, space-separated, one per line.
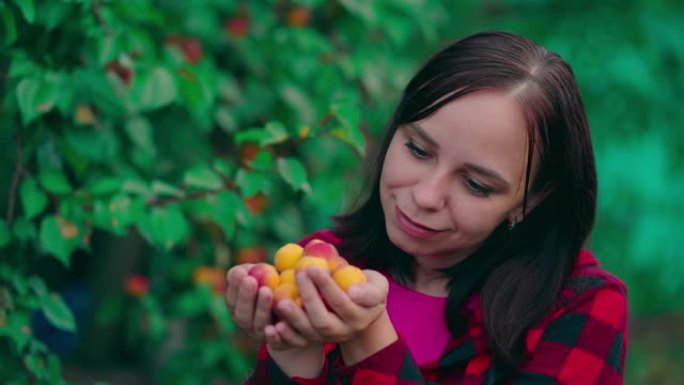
pixel 449 180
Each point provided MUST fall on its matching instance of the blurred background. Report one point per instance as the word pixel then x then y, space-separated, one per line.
pixel 147 146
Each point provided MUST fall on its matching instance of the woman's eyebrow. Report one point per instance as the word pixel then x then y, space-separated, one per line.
pixel 488 173
pixel 420 131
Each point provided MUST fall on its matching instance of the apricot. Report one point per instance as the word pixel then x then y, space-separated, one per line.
pixel 348 275
pixel 287 256
pixel 288 276
pixel 320 249
pixel 286 290
pixel 265 274
pixel 307 261
pixel 336 262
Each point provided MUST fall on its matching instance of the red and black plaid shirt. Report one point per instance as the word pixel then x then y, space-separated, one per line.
pixel 582 342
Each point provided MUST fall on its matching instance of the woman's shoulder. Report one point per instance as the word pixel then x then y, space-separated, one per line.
pixel 591 283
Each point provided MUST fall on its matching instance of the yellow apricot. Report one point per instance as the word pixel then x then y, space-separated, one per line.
pixel 319 262
pixel 287 256
pixel 348 275
pixel 286 290
pixel 288 276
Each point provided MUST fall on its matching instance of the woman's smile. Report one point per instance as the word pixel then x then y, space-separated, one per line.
pixel 412 228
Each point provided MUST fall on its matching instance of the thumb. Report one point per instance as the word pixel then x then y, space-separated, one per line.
pixel 371 293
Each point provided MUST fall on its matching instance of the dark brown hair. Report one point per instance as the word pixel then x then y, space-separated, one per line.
pixel 519 273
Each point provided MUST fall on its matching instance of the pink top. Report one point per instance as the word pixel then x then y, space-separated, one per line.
pixel 420 320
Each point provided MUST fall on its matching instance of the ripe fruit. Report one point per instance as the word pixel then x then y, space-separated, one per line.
pixel 125 74
pixel 298 17
pixel 286 290
pixel 318 248
pixel 252 255
pixel 191 48
pixel 348 275
pixel 256 204
pixel 237 27
pixel 336 262
pixel 265 274
pixel 288 276
pixel 287 256
pixel 307 261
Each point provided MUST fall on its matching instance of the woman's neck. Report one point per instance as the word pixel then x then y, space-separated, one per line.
pixel 431 282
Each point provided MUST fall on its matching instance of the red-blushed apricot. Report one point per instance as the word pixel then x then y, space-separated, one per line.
pixel 320 249
pixel 265 274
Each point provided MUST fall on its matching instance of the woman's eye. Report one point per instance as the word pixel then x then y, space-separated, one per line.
pixel 417 151
pixel 477 189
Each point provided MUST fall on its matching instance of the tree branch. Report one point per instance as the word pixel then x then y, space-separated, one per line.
pixel 18 173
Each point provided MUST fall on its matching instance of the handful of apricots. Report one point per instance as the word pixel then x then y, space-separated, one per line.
pixel 292 257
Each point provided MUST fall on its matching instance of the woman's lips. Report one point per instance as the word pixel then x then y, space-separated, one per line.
pixel 412 228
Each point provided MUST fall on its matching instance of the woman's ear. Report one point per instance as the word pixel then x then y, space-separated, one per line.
pixel 533 199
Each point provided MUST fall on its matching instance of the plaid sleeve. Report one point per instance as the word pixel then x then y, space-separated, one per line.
pixel 392 365
pixel 267 372
pixel 584 344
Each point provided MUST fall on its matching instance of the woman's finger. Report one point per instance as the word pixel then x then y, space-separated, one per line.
pixel 234 278
pixel 336 299
pixel 272 338
pixel 297 318
pixel 262 311
pixel 290 336
pixel 244 306
pixel 372 293
pixel 323 321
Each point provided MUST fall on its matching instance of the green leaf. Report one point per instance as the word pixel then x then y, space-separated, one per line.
pixel 263 161
pixel 59 238
pixel 55 182
pixel 38 96
pixel 349 115
pixel 203 177
pixel 223 167
pixel 139 131
pixel 33 199
pixel 250 183
pixel 294 173
pixel 162 188
pixel 18 329
pixel 272 133
pixel 159 89
pixel 38 285
pixel 164 226
pixel 225 206
pixel 27 9
pixel 10 24
pixel 24 229
pixel 22 66
pixel 4 234
pixel 58 313
pixel 105 186
pixel 277 133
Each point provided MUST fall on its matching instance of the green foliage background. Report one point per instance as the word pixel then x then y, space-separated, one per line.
pixel 171 139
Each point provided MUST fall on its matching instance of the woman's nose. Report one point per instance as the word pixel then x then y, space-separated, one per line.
pixel 430 192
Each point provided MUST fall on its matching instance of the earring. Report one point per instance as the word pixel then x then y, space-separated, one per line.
pixel 511 225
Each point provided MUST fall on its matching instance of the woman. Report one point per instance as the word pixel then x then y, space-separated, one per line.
pixel 482 195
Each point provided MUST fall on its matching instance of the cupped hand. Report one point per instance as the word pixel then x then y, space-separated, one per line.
pixel 346 313
pixel 250 307
pixel 248 304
